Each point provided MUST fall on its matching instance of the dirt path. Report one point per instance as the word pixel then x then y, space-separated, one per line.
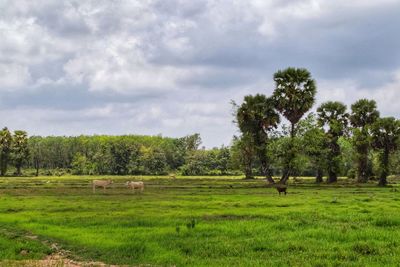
pixel 54 260
pixel 59 258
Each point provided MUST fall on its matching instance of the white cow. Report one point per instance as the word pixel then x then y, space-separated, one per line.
pixel 135 185
pixel 101 183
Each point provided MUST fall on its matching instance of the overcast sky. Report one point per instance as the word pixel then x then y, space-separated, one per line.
pixel 172 67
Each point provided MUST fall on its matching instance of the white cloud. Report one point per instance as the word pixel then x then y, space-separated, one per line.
pixel 13 76
pixel 171 67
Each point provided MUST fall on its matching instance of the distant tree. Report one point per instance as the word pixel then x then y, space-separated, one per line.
pixel 36 152
pixel 363 115
pixel 135 165
pixel 294 95
pixel 192 142
pixel 120 151
pixel 81 165
pixel 256 117
pixel 196 163
pixel 333 116
pixel 5 149
pixel 20 149
pixel 315 145
pixel 348 154
pixel 223 159
pixel 243 154
pixel 385 139
pixel 153 160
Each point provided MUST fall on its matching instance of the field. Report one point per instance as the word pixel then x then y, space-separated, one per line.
pixel 199 221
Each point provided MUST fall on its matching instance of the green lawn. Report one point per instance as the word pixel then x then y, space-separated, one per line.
pixel 202 222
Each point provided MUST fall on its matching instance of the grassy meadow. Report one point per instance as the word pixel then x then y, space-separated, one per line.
pixel 200 221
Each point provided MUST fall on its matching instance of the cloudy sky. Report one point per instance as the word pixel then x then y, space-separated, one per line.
pixel 172 66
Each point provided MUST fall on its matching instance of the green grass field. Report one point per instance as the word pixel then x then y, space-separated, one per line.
pixel 201 222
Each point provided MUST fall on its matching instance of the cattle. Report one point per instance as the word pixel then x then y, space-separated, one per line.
pixel 135 185
pixel 281 188
pixel 101 183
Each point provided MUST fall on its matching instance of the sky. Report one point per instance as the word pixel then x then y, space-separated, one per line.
pixel 172 67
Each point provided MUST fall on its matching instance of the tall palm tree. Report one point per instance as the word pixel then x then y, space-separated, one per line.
pixel 256 117
pixel 385 138
pixel 332 116
pixel 5 149
pixel 294 95
pixel 20 150
pixel 363 115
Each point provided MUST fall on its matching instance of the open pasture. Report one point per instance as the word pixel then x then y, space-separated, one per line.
pixel 200 221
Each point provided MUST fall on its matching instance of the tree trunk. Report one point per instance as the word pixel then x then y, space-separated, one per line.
pixel 37 167
pixel 319 175
pixel 288 164
pixel 267 171
pixel 18 169
pixel 333 165
pixel 362 175
pixel 332 177
pixel 385 168
pixel 248 171
pixel 285 177
pixel 3 167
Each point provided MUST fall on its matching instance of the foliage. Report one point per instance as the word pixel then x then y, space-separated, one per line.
pixel 294 95
pixel 5 150
pixel 315 145
pixel 364 114
pixel 385 138
pixel 256 117
pixel 244 154
pixel 333 118
pixel 20 149
pixel 81 165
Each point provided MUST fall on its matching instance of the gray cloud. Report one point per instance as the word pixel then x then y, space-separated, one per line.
pixel 172 67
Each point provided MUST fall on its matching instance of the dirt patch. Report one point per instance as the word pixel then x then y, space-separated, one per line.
pixel 55 260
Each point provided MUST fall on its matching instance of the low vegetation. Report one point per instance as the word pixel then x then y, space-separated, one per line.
pixel 201 221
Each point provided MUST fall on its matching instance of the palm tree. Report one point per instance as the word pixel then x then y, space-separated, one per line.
pixel 5 149
pixel 363 115
pixel 385 138
pixel 256 117
pixel 332 115
pixel 20 150
pixel 294 95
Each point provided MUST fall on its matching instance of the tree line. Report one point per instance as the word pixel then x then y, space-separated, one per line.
pixel 333 139
pixel 109 155
pixel 330 142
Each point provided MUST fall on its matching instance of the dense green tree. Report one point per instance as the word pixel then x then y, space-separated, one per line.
pixel 5 150
pixel 315 145
pixel 81 165
pixel 153 161
pixel 333 117
pixel 363 115
pixel 223 159
pixel 385 138
pixel 243 154
pixel 256 117
pixel 294 95
pixel 197 163
pixel 20 150
pixel 192 142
